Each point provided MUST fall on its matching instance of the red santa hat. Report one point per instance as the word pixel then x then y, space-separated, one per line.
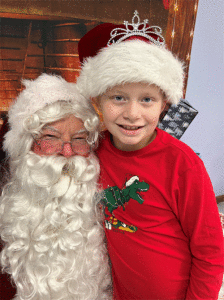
pixel 115 54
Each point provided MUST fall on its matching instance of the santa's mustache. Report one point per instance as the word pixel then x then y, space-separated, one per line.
pixel 46 171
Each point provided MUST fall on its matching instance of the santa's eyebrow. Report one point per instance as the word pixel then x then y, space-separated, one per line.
pixel 50 128
pixel 55 130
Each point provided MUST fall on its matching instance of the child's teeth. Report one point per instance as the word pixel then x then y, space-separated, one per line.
pixel 129 127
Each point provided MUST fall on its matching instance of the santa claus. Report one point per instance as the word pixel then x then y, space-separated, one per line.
pixel 50 223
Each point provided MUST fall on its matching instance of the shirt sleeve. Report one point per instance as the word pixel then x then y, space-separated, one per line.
pixel 199 218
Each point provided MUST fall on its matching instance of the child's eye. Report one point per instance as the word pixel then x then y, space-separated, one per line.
pixel 147 99
pixel 118 98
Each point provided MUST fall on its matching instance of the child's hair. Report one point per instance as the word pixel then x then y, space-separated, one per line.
pixel 134 59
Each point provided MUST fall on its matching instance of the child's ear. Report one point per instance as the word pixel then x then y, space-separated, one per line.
pixel 165 105
pixel 96 104
pixel 95 101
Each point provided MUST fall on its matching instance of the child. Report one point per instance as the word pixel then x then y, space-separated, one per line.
pixel 161 219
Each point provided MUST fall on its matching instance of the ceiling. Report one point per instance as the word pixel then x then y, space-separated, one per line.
pixel 43 38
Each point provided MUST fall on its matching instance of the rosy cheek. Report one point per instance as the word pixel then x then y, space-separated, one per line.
pixel 36 149
pixel 111 112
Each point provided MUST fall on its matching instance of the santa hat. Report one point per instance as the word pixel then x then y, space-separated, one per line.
pixel 115 54
pixel 44 90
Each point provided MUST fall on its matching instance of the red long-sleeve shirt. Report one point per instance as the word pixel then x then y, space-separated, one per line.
pixel 163 229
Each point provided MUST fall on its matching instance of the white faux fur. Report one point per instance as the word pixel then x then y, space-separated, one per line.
pixel 132 61
pixel 44 90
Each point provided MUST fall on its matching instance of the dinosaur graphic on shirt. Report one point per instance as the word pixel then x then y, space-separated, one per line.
pixel 114 222
pixel 114 197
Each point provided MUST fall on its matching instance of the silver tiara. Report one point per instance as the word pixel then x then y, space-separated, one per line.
pixel 152 33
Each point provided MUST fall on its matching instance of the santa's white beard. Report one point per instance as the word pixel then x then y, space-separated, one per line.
pixel 54 243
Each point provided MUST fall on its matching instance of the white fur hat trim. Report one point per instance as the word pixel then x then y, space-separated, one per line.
pixel 132 61
pixel 44 90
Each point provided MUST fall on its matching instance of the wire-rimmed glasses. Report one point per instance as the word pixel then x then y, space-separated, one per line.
pixel 53 145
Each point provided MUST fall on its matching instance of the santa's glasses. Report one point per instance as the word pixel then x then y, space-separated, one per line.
pixel 53 145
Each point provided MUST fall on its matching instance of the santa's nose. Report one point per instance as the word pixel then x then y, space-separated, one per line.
pixel 67 150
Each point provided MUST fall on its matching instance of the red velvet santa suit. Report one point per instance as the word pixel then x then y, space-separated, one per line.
pixel 7 290
pixel 163 228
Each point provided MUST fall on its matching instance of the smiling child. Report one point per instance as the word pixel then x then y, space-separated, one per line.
pixel 161 219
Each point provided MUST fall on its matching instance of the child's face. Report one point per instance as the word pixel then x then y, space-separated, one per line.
pixel 131 113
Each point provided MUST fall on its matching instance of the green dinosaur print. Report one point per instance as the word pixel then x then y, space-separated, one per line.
pixel 115 197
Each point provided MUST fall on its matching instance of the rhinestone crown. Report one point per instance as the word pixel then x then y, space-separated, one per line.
pixel 152 33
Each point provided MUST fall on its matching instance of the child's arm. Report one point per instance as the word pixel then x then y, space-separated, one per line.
pixel 201 223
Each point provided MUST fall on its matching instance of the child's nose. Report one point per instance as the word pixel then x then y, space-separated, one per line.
pixel 132 111
pixel 67 150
